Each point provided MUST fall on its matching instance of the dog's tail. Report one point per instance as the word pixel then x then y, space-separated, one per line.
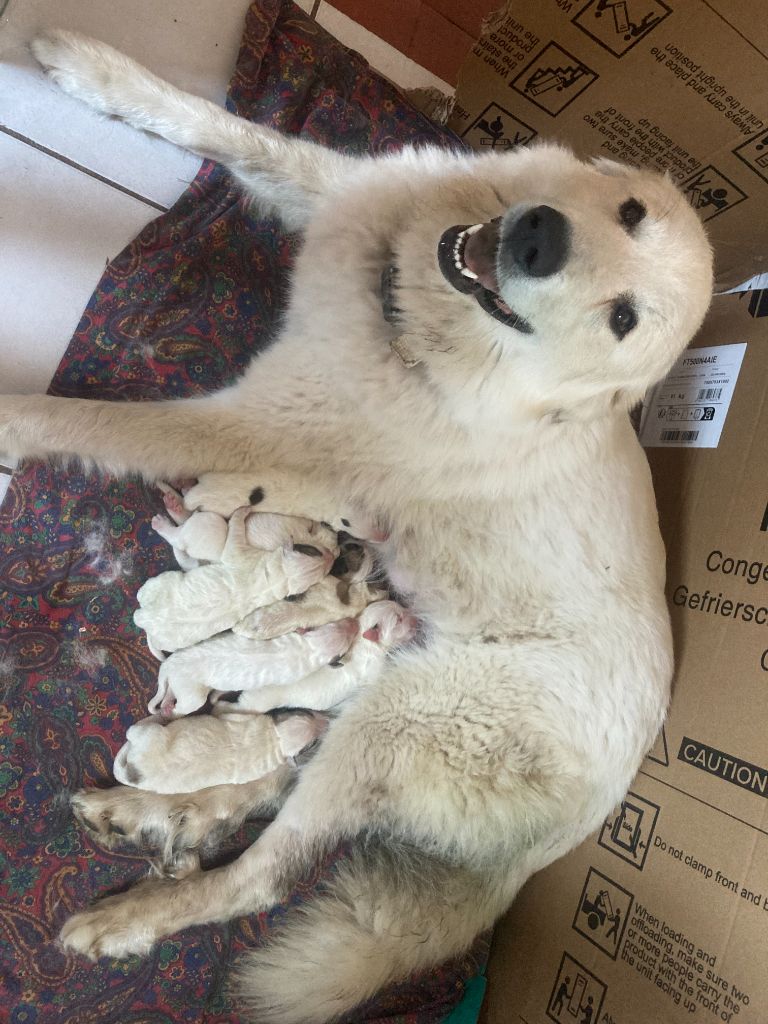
pixel 389 913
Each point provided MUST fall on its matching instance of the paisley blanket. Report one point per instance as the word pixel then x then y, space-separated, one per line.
pixel 178 313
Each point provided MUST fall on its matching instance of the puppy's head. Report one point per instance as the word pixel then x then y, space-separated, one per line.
pixel 387 623
pixel 553 285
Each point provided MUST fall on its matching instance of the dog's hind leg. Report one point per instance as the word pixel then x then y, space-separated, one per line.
pixel 282 175
pixel 163 440
pixel 389 911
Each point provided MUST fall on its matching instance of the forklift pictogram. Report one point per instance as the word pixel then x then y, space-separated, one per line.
pixel 598 911
pixel 603 911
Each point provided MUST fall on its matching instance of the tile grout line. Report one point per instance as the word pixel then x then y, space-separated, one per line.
pixel 80 167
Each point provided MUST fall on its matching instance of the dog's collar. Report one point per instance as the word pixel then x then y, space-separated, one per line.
pixel 487 300
pixel 392 314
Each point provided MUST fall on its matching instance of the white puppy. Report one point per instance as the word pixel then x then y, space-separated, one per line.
pixel 383 626
pixel 201 536
pixel 326 601
pixel 277 491
pixel 231 662
pixel 189 754
pixel 178 609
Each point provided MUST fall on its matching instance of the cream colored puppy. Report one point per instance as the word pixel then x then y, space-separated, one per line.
pixel 278 491
pixel 382 626
pixel 179 609
pixel 201 536
pixel 190 754
pixel 231 662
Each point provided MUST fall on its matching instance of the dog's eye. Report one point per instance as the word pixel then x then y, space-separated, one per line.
pixel 631 212
pixel 623 318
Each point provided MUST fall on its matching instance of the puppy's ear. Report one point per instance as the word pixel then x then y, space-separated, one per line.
pixel 610 167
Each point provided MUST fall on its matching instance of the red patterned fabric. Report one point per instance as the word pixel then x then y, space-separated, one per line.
pixel 179 312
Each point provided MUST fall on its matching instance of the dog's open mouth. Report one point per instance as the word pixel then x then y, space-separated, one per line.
pixel 466 255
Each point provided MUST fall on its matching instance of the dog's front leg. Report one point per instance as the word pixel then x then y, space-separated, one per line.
pixel 282 174
pixel 157 439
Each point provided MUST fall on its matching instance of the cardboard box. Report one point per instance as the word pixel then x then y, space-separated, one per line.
pixel 437 34
pixel 663 916
pixel 678 85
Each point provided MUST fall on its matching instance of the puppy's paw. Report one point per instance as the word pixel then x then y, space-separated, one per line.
pixel 174 504
pixel 161 524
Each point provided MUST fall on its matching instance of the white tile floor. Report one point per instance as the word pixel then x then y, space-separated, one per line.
pixel 75 187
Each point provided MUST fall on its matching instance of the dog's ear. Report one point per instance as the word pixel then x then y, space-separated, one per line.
pixel 610 167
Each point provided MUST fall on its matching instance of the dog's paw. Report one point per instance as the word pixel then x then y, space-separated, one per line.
pixel 119 816
pixel 159 825
pixel 112 928
pixel 81 66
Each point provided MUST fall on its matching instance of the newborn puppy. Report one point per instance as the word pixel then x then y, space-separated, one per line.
pixel 201 536
pixel 188 754
pixel 324 602
pixel 273 490
pixel 231 662
pixel 345 591
pixel 178 609
pixel 383 626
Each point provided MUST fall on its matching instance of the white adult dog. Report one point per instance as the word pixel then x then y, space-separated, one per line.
pixel 480 406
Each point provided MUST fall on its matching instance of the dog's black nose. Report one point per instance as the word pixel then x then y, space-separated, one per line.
pixel 538 242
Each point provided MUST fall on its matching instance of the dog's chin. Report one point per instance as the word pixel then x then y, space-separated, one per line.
pixel 466 255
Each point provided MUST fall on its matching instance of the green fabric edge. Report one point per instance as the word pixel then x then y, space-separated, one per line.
pixel 468 1009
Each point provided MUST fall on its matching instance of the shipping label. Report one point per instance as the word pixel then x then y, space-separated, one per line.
pixel 689 407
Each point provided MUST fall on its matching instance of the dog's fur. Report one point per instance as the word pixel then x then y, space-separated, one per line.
pixel 523 529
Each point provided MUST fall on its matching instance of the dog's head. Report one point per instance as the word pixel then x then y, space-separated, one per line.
pixel 552 285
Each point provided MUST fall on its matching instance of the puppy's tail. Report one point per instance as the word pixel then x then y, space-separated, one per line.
pixel 389 913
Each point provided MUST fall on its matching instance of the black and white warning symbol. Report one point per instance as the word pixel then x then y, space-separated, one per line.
pixel 629 832
pixel 754 153
pixel 659 752
pixel 617 25
pixel 603 911
pixel 710 193
pixel 577 995
pixel 553 79
pixel 496 128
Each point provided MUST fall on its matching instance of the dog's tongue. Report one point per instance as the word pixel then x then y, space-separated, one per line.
pixel 480 255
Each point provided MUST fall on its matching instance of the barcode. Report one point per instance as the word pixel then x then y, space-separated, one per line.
pixel 710 394
pixel 679 435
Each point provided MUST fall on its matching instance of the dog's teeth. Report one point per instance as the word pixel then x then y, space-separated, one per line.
pixel 469 273
pixel 459 265
pixel 473 229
